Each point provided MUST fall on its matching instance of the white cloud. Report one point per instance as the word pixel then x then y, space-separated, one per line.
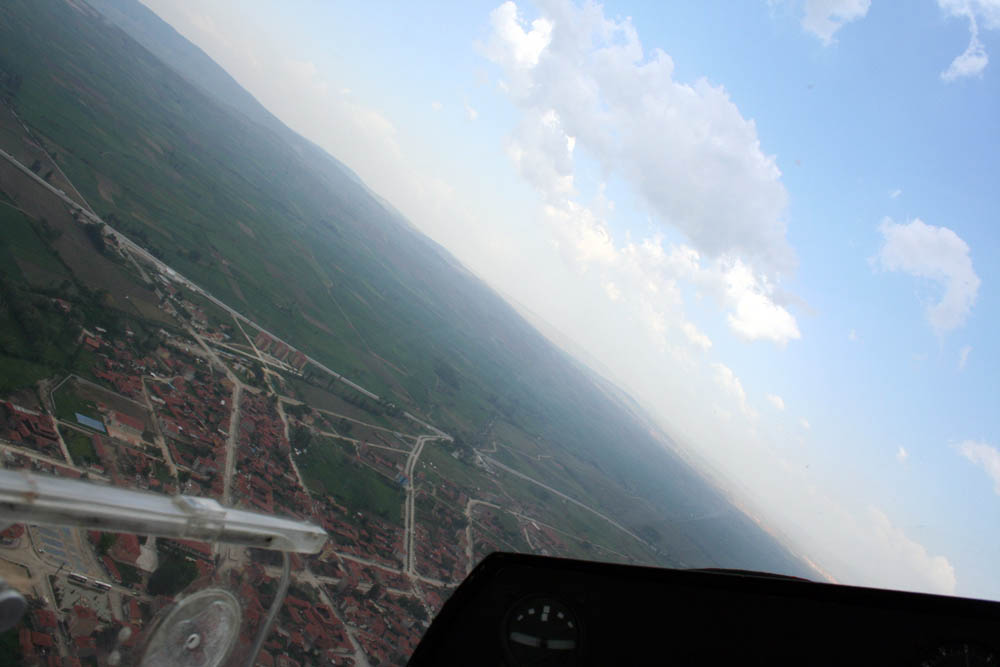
pixel 963 357
pixel 437 106
pixel 581 80
pixel 974 59
pixel 908 560
pixel 824 18
pixel 984 456
pixel 514 45
pixel 902 454
pixel 582 232
pixel 696 337
pixel 970 62
pixel 937 254
pixel 748 295
pixel 804 423
pixel 584 81
pixel 756 315
pixel 543 154
pixel 727 380
pixel 894 194
pixel 471 113
pixel 776 401
pixel 852 336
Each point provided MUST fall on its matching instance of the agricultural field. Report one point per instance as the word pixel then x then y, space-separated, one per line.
pixel 331 468
pixel 80 446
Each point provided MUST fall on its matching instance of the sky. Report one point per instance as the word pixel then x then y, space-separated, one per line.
pixel 773 223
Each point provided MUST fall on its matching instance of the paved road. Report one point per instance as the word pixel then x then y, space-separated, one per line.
pixel 46 393
pixel 6 445
pixel 468 530
pixel 234 417
pixel 409 516
pixel 158 438
pixel 231 444
pixel 291 457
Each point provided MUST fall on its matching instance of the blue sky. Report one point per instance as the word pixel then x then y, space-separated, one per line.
pixel 729 229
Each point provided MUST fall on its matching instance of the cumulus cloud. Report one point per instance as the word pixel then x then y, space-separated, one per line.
pixel 516 45
pixel 543 154
pixel 777 401
pixel 437 106
pixel 582 81
pixel 471 113
pixel 894 194
pixel 824 18
pixel 730 384
pixel 910 559
pixel 974 59
pixel 582 233
pixel 696 337
pixel 755 314
pixel 804 423
pixel 984 456
pixel 902 454
pixel 963 357
pixel 749 296
pixel 936 254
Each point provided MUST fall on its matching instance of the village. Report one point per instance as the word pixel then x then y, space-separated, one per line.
pixel 207 410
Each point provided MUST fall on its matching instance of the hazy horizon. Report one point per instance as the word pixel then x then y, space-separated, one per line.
pixel 770 224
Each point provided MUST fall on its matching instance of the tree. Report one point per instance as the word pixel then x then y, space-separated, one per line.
pixel 106 542
pixel 96 235
pixel 300 437
pixel 173 575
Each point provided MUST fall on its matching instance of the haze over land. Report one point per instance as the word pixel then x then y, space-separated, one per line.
pixel 739 252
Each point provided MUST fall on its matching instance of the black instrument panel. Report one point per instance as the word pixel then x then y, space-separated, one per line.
pixel 516 609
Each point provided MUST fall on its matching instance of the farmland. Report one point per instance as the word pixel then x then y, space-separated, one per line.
pixel 332 469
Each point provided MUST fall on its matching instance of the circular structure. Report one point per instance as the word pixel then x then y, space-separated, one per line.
pixel 199 631
pixel 542 631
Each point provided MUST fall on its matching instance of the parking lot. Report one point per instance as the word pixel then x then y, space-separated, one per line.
pixel 61 544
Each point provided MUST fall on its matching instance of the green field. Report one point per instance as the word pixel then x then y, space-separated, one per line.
pixel 337 397
pixel 80 446
pixel 457 472
pixel 25 254
pixel 17 373
pixel 69 402
pixel 329 468
pixel 510 529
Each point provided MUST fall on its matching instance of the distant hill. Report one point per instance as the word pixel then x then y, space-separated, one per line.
pixel 170 150
pixel 160 38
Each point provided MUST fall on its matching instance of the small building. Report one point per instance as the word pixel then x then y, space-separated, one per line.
pixel 90 422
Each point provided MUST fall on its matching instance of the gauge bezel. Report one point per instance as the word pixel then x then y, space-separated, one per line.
pixel 573 655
